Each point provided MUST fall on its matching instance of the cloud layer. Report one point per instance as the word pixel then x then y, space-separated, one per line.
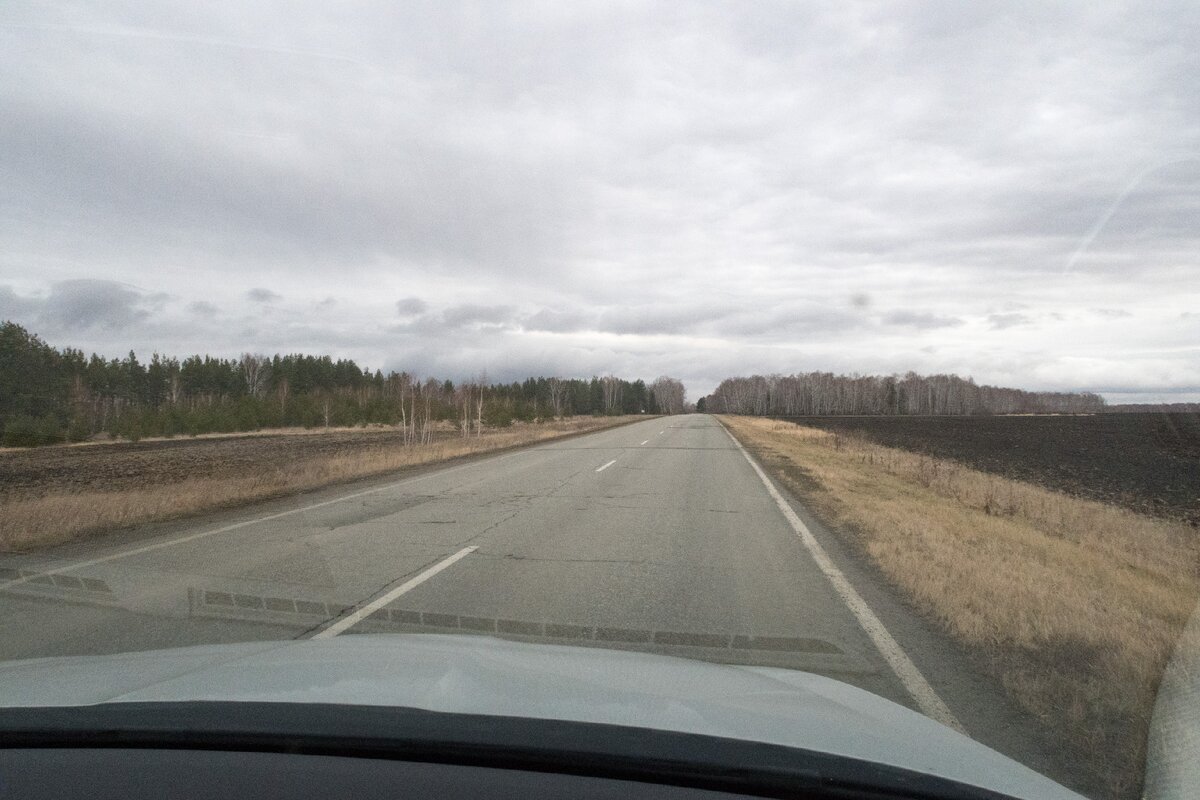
pixel 1004 191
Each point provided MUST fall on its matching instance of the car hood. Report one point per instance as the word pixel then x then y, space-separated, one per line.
pixel 480 675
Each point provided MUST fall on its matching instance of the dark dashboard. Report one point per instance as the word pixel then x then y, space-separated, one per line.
pixel 296 750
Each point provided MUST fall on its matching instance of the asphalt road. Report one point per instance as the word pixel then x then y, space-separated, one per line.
pixel 657 536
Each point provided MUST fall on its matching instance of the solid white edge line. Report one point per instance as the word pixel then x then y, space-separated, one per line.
pixel 912 679
pixel 350 620
pixel 606 466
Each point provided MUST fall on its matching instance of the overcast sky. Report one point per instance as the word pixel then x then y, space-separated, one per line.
pixel 1010 191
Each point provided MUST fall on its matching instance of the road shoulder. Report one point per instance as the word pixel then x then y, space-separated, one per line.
pixel 976 699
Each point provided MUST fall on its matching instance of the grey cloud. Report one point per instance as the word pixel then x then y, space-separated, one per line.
pixel 82 308
pixel 260 295
pixel 656 319
pixel 504 198
pixel 1002 321
pixel 15 307
pixel 645 320
pixel 1111 313
pixel 551 321
pixel 411 306
pixel 466 315
pixel 331 192
pixel 202 308
pixel 84 304
pixel 921 320
pixel 788 323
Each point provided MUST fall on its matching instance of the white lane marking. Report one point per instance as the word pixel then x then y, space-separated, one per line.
pixel 660 433
pixel 350 620
pixel 914 682
pixel 643 443
pixel 606 466
pixel 246 523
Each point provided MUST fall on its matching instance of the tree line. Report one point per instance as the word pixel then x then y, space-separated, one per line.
pixel 823 393
pixel 1156 408
pixel 50 395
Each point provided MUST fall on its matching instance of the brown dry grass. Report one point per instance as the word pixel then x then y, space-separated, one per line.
pixel 41 520
pixel 1072 604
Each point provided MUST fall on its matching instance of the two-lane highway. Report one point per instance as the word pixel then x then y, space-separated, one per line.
pixel 658 536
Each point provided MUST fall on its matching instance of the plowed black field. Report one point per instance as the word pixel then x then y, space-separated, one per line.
pixel 1147 462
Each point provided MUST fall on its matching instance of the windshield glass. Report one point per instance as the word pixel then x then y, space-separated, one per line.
pixel 852 339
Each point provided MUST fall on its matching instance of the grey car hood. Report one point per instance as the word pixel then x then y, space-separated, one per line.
pixel 479 675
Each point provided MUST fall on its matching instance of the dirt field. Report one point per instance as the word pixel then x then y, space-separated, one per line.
pixel 1149 463
pixel 113 466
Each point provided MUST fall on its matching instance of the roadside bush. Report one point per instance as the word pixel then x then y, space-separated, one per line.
pixel 245 417
pixel 78 430
pixel 130 427
pixel 22 430
pixel 498 416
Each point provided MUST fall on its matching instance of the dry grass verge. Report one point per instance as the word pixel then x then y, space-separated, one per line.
pixel 1074 605
pixel 41 519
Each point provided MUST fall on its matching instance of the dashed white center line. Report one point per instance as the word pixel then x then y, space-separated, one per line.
pixel 350 620
pixel 606 466
pixel 660 433
pixel 643 443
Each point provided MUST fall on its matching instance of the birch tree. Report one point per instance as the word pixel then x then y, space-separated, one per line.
pixel 611 386
pixel 558 391
pixel 256 371
pixel 669 395
pixel 823 393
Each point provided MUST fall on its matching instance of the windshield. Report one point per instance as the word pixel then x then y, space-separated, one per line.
pixel 853 339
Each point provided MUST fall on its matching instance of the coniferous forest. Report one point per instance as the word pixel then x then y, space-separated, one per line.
pixel 50 395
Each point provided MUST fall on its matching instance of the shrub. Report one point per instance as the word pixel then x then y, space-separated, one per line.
pixel 22 430
pixel 78 430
